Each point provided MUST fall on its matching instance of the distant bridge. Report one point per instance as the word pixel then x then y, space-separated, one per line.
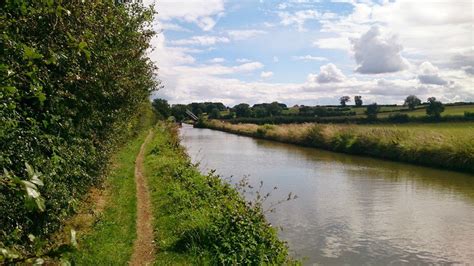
pixel 191 115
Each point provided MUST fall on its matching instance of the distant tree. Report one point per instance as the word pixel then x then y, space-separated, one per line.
pixel 358 100
pixel 260 112
pixel 179 111
pixel 372 110
pixel 435 108
pixel 275 108
pixel 344 99
pixel 161 107
pixel 412 101
pixel 215 113
pixel 242 110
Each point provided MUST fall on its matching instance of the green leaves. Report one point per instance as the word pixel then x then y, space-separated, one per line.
pixel 34 201
pixel 30 53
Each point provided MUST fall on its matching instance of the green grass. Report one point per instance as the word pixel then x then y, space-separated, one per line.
pixel 445 145
pixel 199 219
pixel 110 241
pixel 419 112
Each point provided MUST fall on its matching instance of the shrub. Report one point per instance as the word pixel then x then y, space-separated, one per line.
pixel 75 76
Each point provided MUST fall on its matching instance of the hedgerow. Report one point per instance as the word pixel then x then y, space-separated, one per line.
pixel 73 76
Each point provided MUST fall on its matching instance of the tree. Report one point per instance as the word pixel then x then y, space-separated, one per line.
pixel 372 110
pixel 215 113
pixel 358 100
pixel 179 111
pixel 161 107
pixel 242 110
pixel 260 112
pixel 412 101
pixel 344 99
pixel 435 108
pixel 275 108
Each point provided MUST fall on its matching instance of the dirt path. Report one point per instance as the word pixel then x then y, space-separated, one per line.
pixel 144 247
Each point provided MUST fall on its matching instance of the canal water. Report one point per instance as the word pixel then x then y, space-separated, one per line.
pixel 350 209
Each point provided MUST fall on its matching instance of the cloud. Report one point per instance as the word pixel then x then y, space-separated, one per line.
pixel 244 34
pixel 243 60
pixel 217 60
pixel 249 66
pixel 327 74
pixel 173 27
pixel 429 74
pixel 275 59
pixel 266 74
pixel 298 18
pixel 375 54
pixel 199 12
pixel 203 40
pixel 309 58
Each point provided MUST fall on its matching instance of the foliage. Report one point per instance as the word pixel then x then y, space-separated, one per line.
pixel 344 99
pixel 412 101
pixel 201 217
pixel 161 107
pixel 242 110
pixel 434 108
pixel 74 75
pixel 372 110
pixel 358 100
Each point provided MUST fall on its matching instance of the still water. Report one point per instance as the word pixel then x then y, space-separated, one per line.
pixel 350 209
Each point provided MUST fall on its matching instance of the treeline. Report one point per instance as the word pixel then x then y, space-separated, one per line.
pixel 74 77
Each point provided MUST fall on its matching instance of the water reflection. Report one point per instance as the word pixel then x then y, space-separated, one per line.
pixel 351 209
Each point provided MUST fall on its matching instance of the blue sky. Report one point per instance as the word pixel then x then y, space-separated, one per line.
pixel 313 52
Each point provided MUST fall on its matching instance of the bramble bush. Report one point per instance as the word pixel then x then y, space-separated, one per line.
pixel 73 76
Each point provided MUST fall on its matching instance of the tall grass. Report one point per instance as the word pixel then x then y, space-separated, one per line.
pixel 448 146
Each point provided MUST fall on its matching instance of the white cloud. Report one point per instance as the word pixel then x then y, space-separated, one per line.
pixel 193 11
pixel 327 74
pixel 201 40
pixel 376 54
pixel 172 27
pixel 243 60
pixel 266 74
pixel 309 58
pixel 244 34
pixel 298 18
pixel 429 74
pixel 217 60
pixel 247 67
pixel 275 59
pixel 341 43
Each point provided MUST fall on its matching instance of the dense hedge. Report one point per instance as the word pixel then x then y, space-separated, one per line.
pixel 73 77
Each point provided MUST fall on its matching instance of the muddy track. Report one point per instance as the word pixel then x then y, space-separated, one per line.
pixel 144 246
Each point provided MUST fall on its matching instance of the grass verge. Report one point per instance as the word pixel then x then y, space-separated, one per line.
pixel 200 219
pixel 446 145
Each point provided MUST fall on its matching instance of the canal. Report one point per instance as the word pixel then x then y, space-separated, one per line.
pixel 350 209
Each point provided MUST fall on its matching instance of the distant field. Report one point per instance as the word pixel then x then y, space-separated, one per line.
pixel 390 110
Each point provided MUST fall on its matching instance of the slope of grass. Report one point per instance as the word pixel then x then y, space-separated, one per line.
pixel 446 145
pixel 201 220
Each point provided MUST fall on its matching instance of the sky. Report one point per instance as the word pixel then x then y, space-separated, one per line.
pixel 313 52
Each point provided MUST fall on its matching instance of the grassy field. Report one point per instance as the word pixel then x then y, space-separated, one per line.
pixel 386 111
pixel 445 145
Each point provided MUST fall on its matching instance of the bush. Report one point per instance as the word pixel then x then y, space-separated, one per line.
pixel 399 118
pixel 75 77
